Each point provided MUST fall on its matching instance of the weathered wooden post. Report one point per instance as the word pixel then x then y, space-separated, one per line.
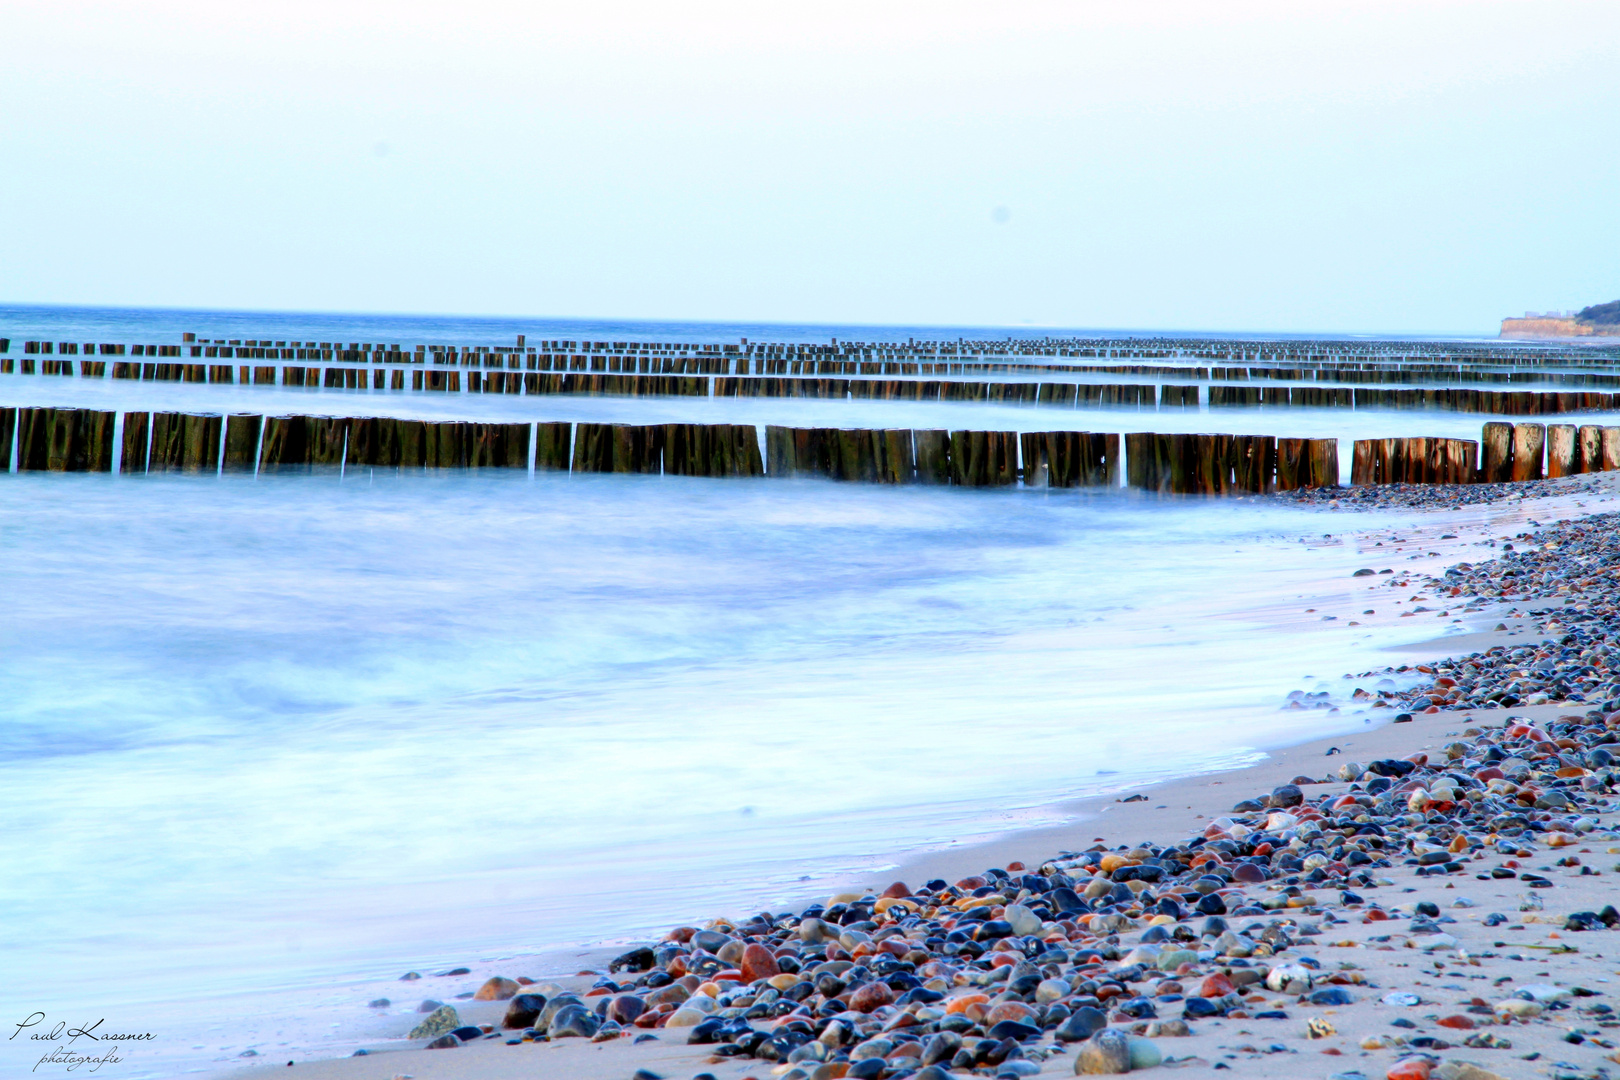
pixel 933 449
pixel 1528 442
pixel 983 458
pixel 499 446
pixel 1141 461
pixel 1562 451
pixel 856 455
pixel 241 442
pixel 64 440
pixel 445 445
pixel 1253 463
pixel 1590 440
pixel 1496 451
pixel 1611 449
pixel 896 463
pixel 137 435
pixel 1363 463
pixel 286 445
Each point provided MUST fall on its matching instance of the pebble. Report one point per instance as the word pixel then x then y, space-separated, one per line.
pixel 440 1021
pixel 497 989
pixel 1106 1053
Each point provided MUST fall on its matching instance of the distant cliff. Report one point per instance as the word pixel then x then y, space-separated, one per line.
pixel 1598 320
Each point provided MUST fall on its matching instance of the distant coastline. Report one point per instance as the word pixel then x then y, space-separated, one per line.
pixel 1599 320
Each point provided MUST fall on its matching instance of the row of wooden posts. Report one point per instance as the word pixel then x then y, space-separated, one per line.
pixel 1311 361
pixel 1055 394
pixel 82 440
pixel 1505 452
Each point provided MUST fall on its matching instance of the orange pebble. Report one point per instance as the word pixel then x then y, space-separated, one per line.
pixel 956 1005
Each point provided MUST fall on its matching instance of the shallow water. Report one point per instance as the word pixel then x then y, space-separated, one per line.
pixel 267 732
pixel 265 741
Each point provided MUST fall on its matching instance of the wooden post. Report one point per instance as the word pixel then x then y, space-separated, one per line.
pixel 1033 449
pixel 1141 461
pixel 1611 449
pixel 137 433
pixel 1324 462
pixel 241 442
pixel 593 448
pixel 1363 463
pixel 499 446
pixel 855 456
pixel 286 445
pixel 1253 463
pixel 933 452
pixel 983 458
pixel 64 440
pixel 1562 451
pixel 551 446
pixel 779 460
pixel 897 464
pixel 1590 440
pixel 1528 442
pixel 185 444
pixel 1461 456
pixel 1496 449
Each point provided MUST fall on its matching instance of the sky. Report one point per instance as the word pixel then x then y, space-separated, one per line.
pixel 1413 167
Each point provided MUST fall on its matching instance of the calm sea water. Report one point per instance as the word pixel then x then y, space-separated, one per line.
pixel 265 741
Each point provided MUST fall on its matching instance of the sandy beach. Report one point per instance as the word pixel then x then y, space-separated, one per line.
pixel 1394 962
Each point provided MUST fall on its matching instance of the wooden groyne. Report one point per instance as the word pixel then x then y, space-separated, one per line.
pixel 1189 374
pixel 1505 452
pixel 82 440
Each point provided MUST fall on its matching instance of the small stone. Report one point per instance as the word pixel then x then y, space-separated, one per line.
pixel 444 1042
pixel 380 1003
pixel 523 1011
pixel 870 996
pixel 441 1021
pixel 941 1047
pixel 1463 1070
pixel 625 1008
pixel 1167 1029
pixel 1284 976
pixel 1171 959
pixel 1023 921
pixel 1410 1069
pixel 1082 1025
pixel 686 1016
pixel 497 989
pixel 572 1021
pixel 1285 796
pixel 642 959
pixel 1331 996
pixel 758 963
pixel 1144 1054
pixel 1106 1053
pixel 1318 1028
pixel 1051 990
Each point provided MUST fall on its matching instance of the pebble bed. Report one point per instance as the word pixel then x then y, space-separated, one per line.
pixel 1576 562
pixel 1104 957
pixel 1439 496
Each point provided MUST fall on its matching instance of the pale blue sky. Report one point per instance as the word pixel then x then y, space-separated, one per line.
pixel 1397 167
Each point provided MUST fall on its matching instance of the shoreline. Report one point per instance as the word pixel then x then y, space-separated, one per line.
pixel 1166 813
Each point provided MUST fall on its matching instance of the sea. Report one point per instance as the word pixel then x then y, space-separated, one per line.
pixel 267 743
